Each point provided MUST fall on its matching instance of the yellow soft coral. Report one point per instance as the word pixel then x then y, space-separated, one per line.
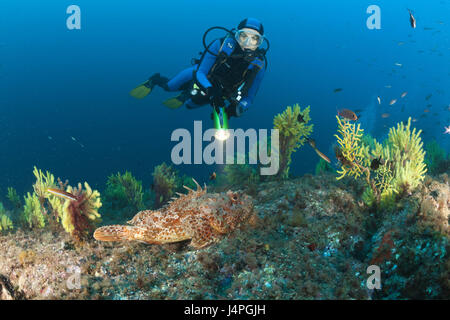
pixel 43 182
pixel 351 149
pixel 401 159
pixel 384 175
pixel 292 134
pixel 408 157
pixel 5 221
pixel 32 211
pixel 79 216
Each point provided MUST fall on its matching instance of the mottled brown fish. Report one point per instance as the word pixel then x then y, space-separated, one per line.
pixel 204 218
pixel 412 20
pixel 347 114
pixel 212 176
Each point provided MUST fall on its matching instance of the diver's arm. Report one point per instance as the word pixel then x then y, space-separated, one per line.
pixel 247 100
pixel 206 64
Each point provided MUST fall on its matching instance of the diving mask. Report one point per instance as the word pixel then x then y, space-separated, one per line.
pixel 248 38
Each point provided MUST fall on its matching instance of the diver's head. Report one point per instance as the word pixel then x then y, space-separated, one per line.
pixel 250 34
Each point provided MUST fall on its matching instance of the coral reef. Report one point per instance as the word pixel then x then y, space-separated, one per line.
pixel 5 220
pixel 351 153
pixel 400 159
pixel 32 212
pixel 304 238
pixel 406 157
pixel 166 181
pixel 412 247
pixel 124 191
pixel 313 240
pixel 14 198
pixel 292 134
pixel 43 182
pixel 80 216
pixel 73 208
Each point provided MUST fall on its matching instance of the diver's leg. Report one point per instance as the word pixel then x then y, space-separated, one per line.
pixel 158 80
pixel 181 79
pixel 176 83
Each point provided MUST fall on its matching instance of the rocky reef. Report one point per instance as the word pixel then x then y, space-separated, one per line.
pixel 375 228
pixel 314 239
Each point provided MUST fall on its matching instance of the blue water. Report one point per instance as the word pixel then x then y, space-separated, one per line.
pixel 62 83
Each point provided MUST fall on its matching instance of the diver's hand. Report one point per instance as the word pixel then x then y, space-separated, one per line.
pixel 213 91
pixel 216 96
pixel 217 102
pixel 234 110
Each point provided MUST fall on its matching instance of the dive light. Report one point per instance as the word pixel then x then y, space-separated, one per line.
pixel 221 124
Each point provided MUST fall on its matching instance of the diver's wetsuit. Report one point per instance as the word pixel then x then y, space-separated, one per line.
pixel 183 80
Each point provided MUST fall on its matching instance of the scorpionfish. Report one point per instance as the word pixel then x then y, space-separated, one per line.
pixel 202 217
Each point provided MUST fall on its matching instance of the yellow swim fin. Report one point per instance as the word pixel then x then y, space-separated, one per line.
pixel 174 103
pixel 142 90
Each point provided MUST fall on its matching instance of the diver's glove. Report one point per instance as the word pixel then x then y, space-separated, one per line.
pixel 216 96
pixel 235 109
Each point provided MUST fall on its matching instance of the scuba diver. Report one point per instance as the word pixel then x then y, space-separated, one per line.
pixel 230 70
